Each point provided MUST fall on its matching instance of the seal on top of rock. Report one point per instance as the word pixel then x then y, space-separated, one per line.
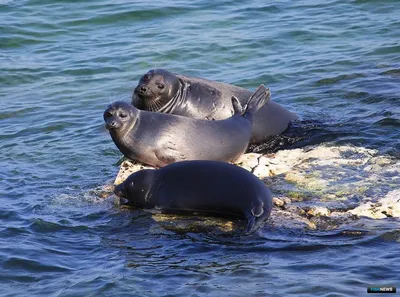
pixel 208 187
pixel 162 91
pixel 158 139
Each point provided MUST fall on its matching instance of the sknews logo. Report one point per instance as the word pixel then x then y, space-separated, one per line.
pixel 381 290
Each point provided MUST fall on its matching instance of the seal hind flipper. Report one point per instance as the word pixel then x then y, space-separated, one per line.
pixel 237 107
pixel 251 222
pixel 258 210
pixel 260 97
pixel 256 217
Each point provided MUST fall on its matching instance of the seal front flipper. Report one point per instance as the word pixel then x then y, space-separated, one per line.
pixel 260 97
pixel 168 154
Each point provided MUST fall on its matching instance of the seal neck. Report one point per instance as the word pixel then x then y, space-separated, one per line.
pixel 123 137
pixel 177 100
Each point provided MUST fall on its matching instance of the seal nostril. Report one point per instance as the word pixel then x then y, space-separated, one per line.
pixel 143 88
pixel 111 125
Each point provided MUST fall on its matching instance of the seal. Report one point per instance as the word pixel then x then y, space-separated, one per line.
pixel 209 187
pixel 158 139
pixel 162 91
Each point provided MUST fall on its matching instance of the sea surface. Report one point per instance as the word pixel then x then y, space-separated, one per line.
pixel 63 62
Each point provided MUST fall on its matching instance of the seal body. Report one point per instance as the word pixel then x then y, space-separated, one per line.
pixel 209 187
pixel 162 91
pixel 158 139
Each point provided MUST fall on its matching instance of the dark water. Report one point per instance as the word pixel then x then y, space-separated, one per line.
pixel 62 62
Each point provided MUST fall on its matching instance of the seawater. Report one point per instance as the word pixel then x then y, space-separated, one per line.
pixel 62 62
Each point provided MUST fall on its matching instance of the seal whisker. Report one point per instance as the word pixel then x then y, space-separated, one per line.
pixel 151 106
pixel 158 105
pixel 155 105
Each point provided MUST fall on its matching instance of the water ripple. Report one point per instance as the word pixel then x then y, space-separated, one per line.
pixel 334 62
pixel 16 263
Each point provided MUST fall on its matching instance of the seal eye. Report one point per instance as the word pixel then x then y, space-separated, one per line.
pixel 123 115
pixel 107 114
pixel 161 86
pixel 146 77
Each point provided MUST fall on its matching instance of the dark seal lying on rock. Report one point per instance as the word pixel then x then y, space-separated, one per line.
pixel 159 139
pixel 209 187
pixel 162 91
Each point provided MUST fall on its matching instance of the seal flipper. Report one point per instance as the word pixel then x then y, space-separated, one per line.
pixel 255 218
pixel 260 97
pixel 251 222
pixel 258 210
pixel 237 107
pixel 168 154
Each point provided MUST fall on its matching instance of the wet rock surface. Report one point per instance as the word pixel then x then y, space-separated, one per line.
pixel 322 187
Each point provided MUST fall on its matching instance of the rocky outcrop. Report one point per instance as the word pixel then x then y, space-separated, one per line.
pixel 322 186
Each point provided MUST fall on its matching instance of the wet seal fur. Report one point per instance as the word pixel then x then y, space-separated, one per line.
pixel 162 91
pixel 208 187
pixel 158 139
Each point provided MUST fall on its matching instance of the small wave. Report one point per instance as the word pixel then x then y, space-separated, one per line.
pixel 386 50
pixel 18 113
pixel 19 263
pixel 392 72
pixel 135 15
pixel 339 78
pixel 391 122
pixel 43 226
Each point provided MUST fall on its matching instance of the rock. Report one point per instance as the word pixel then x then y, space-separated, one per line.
pixel 278 169
pixel 388 206
pixel 319 177
pixel 278 202
pixel 126 168
pixel 368 210
pixel 289 220
pixel 318 211
pixel 262 172
pixel 264 160
pixel 248 160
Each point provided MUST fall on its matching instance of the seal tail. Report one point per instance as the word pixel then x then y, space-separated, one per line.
pixel 260 97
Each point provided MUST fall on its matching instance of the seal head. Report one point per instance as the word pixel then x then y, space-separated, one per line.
pixel 120 117
pixel 138 187
pixel 155 89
